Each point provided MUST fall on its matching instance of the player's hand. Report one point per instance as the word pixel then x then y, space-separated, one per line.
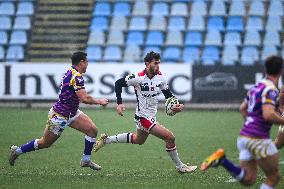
pixel 120 109
pixel 178 108
pixel 103 101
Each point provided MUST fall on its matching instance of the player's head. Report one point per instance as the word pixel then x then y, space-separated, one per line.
pixel 273 65
pixel 80 60
pixel 152 61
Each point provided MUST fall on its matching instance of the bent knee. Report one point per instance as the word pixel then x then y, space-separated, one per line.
pixel 249 180
pixel 274 178
pixel 170 138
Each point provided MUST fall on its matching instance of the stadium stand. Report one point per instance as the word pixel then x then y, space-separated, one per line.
pixel 207 31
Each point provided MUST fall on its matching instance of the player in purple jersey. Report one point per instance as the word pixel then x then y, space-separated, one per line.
pixel 255 146
pixel 148 84
pixel 65 113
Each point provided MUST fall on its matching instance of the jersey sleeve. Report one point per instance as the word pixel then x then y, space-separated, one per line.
pixel 164 84
pixel 270 96
pixel 133 80
pixel 78 83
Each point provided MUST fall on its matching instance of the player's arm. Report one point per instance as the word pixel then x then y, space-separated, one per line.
pixel 118 90
pixel 244 109
pixel 85 98
pixel 270 115
pixel 281 100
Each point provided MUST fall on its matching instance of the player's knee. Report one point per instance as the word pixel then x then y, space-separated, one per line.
pixel 249 180
pixel 92 132
pixel 170 138
pixel 274 178
pixel 43 144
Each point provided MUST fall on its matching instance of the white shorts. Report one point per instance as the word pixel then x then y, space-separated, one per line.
pixel 145 124
pixel 56 123
pixel 250 148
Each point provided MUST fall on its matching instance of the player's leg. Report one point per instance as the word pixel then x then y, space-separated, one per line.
pixel 84 124
pixel 54 127
pixel 279 140
pixel 132 138
pixel 169 138
pixel 270 167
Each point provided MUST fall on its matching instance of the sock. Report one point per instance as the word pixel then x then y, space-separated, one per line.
pixel 120 138
pixel 172 151
pixel 30 146
pixel 89 144
pixel 236 171
pixel 265 186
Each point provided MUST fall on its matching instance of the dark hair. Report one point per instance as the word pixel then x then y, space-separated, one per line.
pixel 77 57
pixel 273 65
pixel 152 56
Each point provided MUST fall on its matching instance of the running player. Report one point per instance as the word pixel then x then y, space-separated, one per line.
pixel 65 113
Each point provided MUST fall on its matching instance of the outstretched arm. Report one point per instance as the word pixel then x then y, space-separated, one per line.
pixel 118 90
pixel 88 99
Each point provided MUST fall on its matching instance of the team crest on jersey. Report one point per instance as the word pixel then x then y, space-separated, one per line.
pixel 144 87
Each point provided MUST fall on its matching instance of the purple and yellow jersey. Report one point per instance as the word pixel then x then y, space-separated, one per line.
pixel 264 92
pixel 68 102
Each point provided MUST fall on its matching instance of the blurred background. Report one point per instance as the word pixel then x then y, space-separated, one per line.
pixel 212 50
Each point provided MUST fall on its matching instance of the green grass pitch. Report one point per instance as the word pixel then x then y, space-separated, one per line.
pixel 198 134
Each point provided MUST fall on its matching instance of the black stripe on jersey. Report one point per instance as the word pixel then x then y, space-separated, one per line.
pixel 137 99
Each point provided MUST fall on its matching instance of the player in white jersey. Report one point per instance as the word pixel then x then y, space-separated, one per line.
pixel 148 84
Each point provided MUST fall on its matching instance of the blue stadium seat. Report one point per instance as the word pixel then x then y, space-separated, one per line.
pixel 94 53
pixel 235 23
pixel 141 8
pixel 3 38
pixel 198 8
pixel 190 55
pixel 275 8
pixel 210 55
pixel 237 8
pixel 138 23
pixel 148 49
pixel 176 23
pixel 5 23
pixel 274 23
pixel 160 8
pixel 250 55
pixel 171 54
pixel 213 37
pixel 118 23
pixel 102 9
pixel 155 38
pixel 157 23
pixel 112 54
pixel 267 51
pixel 196 23
pixel 218 8
pixel 2 53
pixel 252 38
pixel 255 23
pixel 15 53
pixel 99 23
pixel 25 8
pixel 96 37
pixel 19 38
pixel 132 53
pixel 193 39
pixel 230 55
pixel 135 38
pixel 7 8
pixel 232 38
pixel 22 23
pixel 215 23
pixel 256 8
pixel 174 38
pixel 115 37
pixel 179 9
pixel 271 38
pixel 121 8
